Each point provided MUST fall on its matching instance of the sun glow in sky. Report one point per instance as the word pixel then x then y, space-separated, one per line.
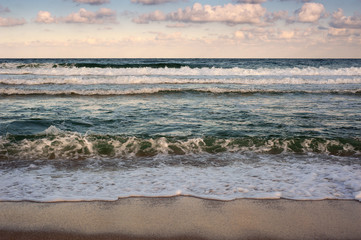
pixel 180 28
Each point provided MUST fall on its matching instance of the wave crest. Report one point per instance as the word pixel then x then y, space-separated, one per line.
pixel 47 69
pixel 157 90
pixel 126 80
pixel 56 144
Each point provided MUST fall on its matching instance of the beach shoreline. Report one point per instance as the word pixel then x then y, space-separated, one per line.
pixel 181 217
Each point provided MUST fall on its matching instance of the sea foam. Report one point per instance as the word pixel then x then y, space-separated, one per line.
pixel 56 144
pixel 250 176
pixel 120 80
pixel 183 71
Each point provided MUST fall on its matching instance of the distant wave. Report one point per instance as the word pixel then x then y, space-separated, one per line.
pixel 47 69
pixel 95 65
pixel 126 65
pixel 54 143
pixel 119 80
pixel 154 91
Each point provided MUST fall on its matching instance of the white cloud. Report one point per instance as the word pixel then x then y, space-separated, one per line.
pixel 338 32
pixel 311 12
pixel 260 35
pixel 287 34
pixel 153 2
pixel 11 22
pixel 102 16
pixel 341 21
pixel 241 35
pixel 345 36
pixel 92 2
pixel 229 13
pixel 44 17
pixel 252 35
pixel 250 1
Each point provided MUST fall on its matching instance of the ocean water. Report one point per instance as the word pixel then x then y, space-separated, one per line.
pixel 100 129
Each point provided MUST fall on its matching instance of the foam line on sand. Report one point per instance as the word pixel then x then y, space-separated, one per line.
pixel 181 218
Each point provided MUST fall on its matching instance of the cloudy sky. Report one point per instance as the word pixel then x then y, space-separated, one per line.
pixel 180 28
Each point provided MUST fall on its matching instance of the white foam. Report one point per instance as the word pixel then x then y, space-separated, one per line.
pixel 16 91
pixel 184 71
pixel 301 178
pixel 120 80
pixel 52 130
pixel 73 145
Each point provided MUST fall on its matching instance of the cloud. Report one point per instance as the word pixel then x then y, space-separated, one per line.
pixel 44 17
pixel 345 35
pixel 287 34
pixel 102 16
pixel 250 1
pixel 4 9
pixel 242 35
pixel 153 2
pixel 296 0
pixel 260 35
pixel 177 36
pixel 310 12
pixel 11 22
pixel 275 16
pixel 92 2
pixel 229 13
pixel 153 16
pixel 341 21
pixel 338 32
pixel 250 35
pixel 178 25
pixel 83 16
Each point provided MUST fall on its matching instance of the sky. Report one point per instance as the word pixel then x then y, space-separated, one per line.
pixel 180 28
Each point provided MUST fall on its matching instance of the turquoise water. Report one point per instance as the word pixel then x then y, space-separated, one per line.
pixel 218 128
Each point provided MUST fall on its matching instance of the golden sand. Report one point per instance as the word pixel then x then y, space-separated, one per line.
pixel 182 218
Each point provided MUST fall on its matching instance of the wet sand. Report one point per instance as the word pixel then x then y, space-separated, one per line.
pixel 181 218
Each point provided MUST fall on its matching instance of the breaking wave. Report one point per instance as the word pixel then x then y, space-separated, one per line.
pixel 49 70
pixel 120 80
pixel 155 91
pixel 56 144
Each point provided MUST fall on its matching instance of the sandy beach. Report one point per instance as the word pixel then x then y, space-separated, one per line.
pixel 181 218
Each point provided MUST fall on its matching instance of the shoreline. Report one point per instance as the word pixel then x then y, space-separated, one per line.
pixel 181 217
pixel 160 197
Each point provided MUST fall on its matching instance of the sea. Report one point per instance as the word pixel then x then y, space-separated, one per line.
pixel 104 129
